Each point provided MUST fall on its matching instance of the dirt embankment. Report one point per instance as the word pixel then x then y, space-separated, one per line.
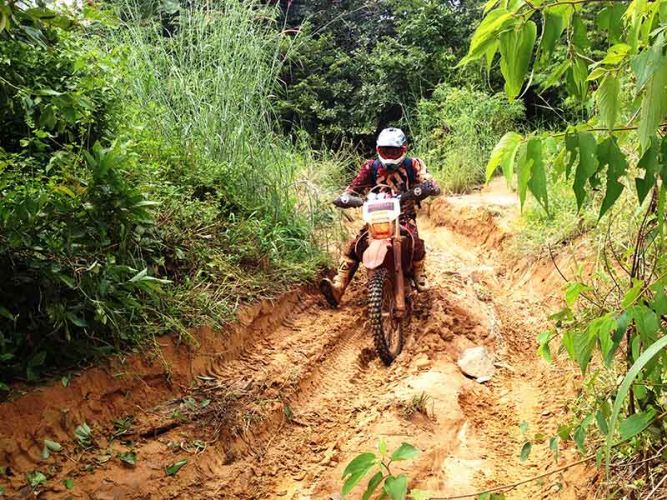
pixel 278 404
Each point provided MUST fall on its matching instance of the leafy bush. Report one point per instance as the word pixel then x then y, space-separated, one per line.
pixel 614 67
pixel 140 160
pixel 458 129
pixel 394 487
pixel 356 67
pixel 74 229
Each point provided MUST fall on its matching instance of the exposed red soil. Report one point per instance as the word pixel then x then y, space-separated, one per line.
pixel 276 406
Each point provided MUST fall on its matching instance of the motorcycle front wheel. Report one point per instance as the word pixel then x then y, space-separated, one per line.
pixel 386 328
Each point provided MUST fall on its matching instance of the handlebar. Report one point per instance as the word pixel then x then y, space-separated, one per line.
pixel 418 193
pixel 348 201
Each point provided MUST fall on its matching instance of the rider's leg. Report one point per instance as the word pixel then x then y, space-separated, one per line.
pixel 333 289
pixel 419 260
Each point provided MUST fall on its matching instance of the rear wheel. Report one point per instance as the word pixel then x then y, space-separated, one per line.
pixel 387 329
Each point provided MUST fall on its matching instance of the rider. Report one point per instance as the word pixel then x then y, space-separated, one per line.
pixel 397 173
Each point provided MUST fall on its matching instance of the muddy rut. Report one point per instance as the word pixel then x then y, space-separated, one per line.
pixel 277 405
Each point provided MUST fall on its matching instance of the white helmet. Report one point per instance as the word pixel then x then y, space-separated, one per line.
pixel 391 147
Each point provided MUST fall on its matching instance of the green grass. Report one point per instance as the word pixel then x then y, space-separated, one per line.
pixel 458 128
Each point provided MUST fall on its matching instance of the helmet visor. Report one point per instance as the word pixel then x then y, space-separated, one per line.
pixel 391 152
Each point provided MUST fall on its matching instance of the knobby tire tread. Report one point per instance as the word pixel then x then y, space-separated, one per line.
pixel 375 288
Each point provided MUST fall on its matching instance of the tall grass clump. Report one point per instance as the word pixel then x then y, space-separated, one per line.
pixel 145 188
pixel 205 82
pixel 201 84
pixel 458 128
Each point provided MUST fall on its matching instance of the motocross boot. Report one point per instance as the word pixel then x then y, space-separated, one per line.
pixel 333 290
pixel 421 282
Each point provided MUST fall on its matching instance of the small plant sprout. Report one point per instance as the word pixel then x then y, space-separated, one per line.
pixel 418 403
pixel 172 469
pixel 50 446
pixel 36 479
pixel 393 486
pixel 84 435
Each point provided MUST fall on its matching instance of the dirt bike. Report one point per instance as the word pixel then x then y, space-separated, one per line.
pixel 388 260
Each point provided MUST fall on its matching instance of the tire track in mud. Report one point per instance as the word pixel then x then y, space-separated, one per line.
pixel 311 354
pixel 297 392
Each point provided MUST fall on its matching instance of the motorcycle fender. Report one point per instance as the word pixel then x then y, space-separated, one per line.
pixel 375 253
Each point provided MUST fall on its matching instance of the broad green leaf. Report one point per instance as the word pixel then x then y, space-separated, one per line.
pixel 396 487
pixel 68 483
pixel 36 478
pixel 491 496
pixel 421 494
pixel 654 104
pixel 610 19
pixel 172 469
pixel 632 294
pixel 615 54
pixel 555 77
pixel 84 435
pixel 357 469
pixel 647 323
pixel 129 457
pixel 573 292
pixel 603 327
pixel 568 343
pixel 490 54
pixel 650 163
pixel 579 33
pixel 645 64
pixel 50 446
pixel 597 73
pixel 636 423
pixel 490 4
pixel 382 447
pixel 564 432
pixel 538 178
pixel 523 168
pixel 503 154
pixel 610 154
pixel 624 389
pixel 544 350
pixel 608 346
pixel 516 50
pixel 576 78
pixel 553 446
pixel 572 148
pixel 555 20
pixel 587 165
pixel 525 451
pixel 580 438
pixel 486 33
pixel 601 422
pixel 660 301
pixel 372 485
pixel 584 342
pixel 608 100
pixel 405 452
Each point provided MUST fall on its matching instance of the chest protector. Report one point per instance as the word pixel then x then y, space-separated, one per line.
pixel 407 165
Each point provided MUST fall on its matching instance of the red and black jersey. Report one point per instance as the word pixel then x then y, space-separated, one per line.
pixel 411 172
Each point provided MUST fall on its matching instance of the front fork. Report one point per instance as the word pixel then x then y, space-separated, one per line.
pixel 399 291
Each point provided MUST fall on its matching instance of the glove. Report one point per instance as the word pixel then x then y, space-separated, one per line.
pixel 346 200
pixel 425 189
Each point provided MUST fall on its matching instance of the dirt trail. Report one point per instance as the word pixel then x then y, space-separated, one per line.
pixel 275 407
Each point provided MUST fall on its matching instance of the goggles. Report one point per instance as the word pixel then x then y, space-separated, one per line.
pixel 391 152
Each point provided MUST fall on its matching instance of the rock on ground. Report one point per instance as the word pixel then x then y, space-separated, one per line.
pixel 477 362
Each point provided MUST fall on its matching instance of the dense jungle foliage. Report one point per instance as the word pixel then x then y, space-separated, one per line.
pixel 162 162
pixel 611 58
pixel 158 163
